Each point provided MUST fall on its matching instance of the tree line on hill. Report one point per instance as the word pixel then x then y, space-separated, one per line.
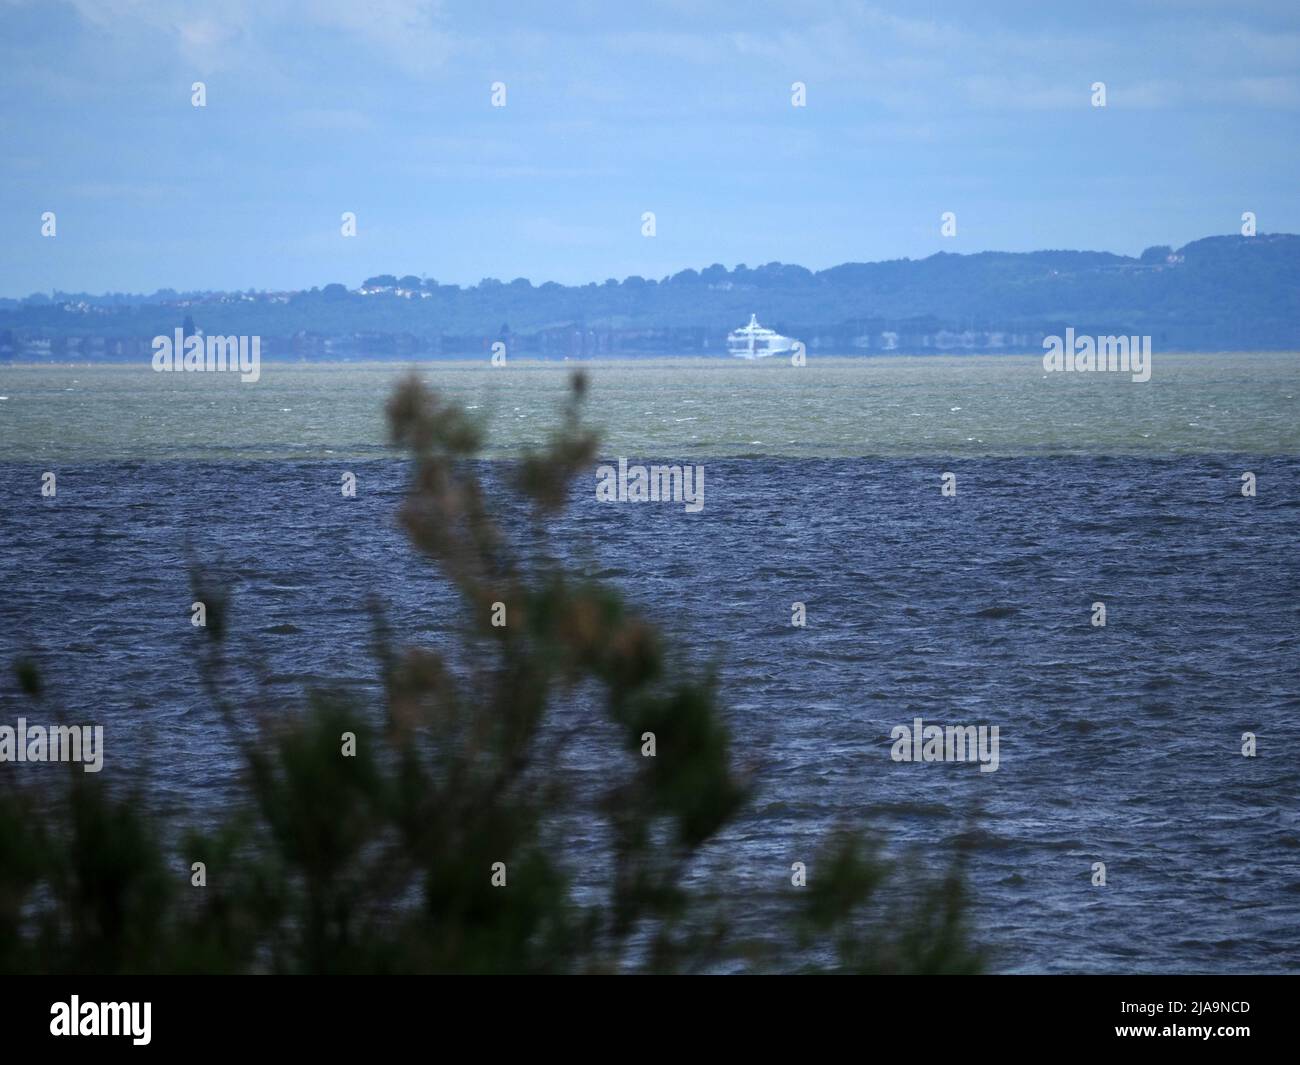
pixel 1212 294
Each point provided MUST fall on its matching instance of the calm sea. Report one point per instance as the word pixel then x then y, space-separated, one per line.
pixel 1119 744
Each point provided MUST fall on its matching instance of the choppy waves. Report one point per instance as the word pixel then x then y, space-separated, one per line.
pixel 1118 744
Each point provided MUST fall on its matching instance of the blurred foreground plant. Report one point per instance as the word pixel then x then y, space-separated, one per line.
pixel 372 835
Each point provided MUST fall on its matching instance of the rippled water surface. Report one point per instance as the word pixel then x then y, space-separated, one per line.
pixel 967 405
pixel 1118 744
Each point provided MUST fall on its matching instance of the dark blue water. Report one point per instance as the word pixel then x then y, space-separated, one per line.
pixel 1119 745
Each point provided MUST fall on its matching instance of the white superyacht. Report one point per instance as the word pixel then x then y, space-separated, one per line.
pixel 757 342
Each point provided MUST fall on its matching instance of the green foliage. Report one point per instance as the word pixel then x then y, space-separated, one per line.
pixel 370 835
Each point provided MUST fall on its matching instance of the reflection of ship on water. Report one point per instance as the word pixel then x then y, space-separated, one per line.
pixel 757 342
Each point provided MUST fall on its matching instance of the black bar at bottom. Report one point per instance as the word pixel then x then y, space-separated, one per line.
pixel 336 1013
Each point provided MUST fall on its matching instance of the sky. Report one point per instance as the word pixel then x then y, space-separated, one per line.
pixel 383 108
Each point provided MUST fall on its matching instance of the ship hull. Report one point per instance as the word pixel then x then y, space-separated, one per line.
pixel 755 342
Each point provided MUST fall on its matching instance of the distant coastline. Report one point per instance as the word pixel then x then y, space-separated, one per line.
pixel 1216 294
pixel 130 357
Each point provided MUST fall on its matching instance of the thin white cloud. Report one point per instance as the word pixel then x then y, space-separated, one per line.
pixel 226 34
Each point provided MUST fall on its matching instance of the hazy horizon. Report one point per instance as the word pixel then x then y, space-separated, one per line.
pixel 386 111
pixel 537 282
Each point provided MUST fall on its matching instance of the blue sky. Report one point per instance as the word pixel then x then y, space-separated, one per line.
pixel 613 109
